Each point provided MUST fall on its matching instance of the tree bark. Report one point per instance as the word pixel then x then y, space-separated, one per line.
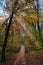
pixel 6 35
pixel 38 19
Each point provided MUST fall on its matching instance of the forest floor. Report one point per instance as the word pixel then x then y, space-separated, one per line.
pixel 21 58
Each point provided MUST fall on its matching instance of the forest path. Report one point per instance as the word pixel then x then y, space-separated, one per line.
pixel 19 58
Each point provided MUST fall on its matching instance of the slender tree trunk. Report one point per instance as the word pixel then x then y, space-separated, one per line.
pixel 38 19
pixel 5 40
pixel 34 26
pixel 6 36
pixel 38 14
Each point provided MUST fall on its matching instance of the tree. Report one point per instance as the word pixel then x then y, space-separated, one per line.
pixel 7 33
pixel 17 5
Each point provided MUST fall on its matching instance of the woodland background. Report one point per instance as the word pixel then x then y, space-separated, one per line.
pixel 23 21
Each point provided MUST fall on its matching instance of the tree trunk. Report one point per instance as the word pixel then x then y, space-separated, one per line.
pixel 6 35
pixel 38 19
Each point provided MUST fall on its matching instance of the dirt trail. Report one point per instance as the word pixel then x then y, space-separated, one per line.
pixel 21 59
pixel 18 59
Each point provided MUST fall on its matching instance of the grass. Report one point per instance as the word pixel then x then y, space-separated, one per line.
pixel 12 50
pixel 35 53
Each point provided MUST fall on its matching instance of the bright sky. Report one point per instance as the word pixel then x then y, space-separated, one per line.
pixel 41 3
pixel 2 4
